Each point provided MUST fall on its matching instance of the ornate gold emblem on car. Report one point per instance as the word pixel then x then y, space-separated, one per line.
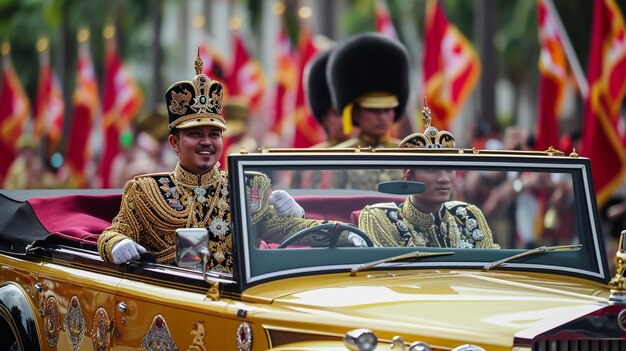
pixel 101 330
pixel 74 323
pixel 198 333
pixel 618 283
pixel 158 336
pixel 244 337
pixel 52 321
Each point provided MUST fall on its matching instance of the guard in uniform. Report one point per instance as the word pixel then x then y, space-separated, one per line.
pixel 368 77
pixel 196 193
pixel 426 219
pixel 320 103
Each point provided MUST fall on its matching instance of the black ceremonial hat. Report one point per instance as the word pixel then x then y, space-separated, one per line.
pixel 195 103
pixel 317 90
pixel 371 70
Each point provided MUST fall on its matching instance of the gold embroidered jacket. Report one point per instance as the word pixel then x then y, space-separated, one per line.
pixel 457 224
pixel 155 205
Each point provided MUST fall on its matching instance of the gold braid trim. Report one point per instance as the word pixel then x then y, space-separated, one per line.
pixel 388 225
pixel 375 222
pixel 487 242
pixel 149 217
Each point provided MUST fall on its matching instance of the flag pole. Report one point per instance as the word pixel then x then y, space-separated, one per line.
pixel 583 85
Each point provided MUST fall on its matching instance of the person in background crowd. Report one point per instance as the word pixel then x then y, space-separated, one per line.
pixel 319 101
pixel 321 107
pixel 143 152
pixel 29 171
pixel 196 193
pixel 236 138
pixel 368 77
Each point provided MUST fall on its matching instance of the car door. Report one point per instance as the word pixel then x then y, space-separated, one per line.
pixel 156 309
pixel 78 305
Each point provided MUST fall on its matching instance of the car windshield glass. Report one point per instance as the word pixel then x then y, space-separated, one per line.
pixel 422 207
pixel 348 213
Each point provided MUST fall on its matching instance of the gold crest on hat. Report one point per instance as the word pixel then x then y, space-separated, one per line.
pixel 432 138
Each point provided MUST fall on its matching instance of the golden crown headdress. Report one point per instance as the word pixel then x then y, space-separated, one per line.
pixel 196 102
pixel 432 138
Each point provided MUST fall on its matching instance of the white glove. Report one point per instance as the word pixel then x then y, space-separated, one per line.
pixel 356 240
pixel 285 205
pixel 126 250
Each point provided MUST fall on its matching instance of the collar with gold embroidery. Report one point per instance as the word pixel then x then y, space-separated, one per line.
pixel 415 216
pixel 186 178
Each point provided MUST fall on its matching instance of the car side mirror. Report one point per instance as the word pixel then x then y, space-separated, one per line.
pixel 191 248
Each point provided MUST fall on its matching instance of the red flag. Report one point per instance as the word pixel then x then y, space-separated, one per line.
pixel 384 24
pixel 605 73
pixel 246 77
pixel 214 62
pixel 552 80
pixel 86 106
pixel 308 132
pixel 14 112
pixel 286 82
pixel 121 101
pixel 49 108
pixel 451 66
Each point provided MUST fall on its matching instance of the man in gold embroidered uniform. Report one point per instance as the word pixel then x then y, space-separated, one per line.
pixel 196 193
pixel 428 218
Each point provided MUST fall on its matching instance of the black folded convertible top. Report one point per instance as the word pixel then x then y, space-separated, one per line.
pixel 74 219
pixel 19 226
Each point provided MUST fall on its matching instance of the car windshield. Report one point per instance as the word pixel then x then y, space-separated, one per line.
pixel 371 208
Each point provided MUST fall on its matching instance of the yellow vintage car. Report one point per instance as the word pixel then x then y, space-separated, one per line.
pixel 512 258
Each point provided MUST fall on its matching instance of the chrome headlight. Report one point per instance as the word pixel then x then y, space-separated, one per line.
pixel 360 340
pixel 468 347
pixel 419 346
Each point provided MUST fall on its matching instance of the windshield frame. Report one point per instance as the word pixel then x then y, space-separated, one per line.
pixel 591 237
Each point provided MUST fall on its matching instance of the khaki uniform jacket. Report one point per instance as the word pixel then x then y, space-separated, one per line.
pixel 366 179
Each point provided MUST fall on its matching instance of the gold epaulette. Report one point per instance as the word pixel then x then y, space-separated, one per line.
pixel 386 205
pixel 453 203
pixel 149 175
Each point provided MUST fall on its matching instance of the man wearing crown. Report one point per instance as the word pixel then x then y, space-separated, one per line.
pixel 428 218
pixel 196 193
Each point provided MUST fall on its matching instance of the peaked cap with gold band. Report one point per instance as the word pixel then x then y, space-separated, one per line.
pixel 370 70
pixel 317 90
pixel 432 138
pixel 195 103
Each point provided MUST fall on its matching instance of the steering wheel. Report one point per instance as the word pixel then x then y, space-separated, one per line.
pixel 329 230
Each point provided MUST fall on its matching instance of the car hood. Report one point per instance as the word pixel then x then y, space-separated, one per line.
pixel 437 306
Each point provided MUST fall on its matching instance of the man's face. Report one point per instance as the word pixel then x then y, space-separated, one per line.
pixel 198 148
pixel 438 183
pixel 333 125
pixel 374 122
